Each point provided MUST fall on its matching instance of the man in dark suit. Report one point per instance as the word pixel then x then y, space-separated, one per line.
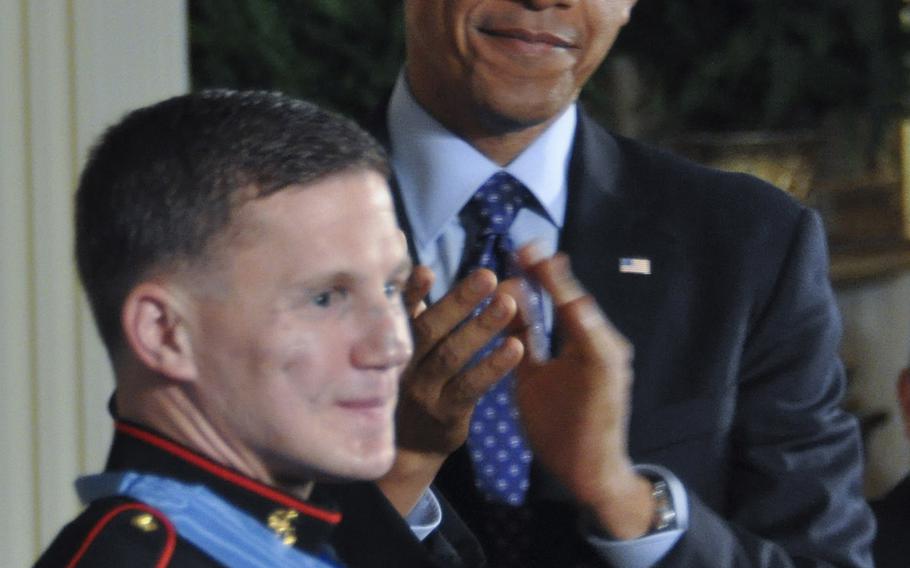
pixel 893 510
pixel 727 445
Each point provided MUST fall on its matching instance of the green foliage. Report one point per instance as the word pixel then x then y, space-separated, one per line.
pixel 738 64
pixel 747 64
pixel 344 55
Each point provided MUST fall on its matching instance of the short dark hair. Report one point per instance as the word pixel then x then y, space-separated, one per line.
pixel 164 181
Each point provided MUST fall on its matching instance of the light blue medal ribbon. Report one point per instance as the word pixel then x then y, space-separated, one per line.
pixel 221 530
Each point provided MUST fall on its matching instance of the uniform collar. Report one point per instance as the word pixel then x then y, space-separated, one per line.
pixel 138 448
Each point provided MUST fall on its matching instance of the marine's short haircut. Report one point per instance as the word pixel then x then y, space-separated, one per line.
pixel 161 184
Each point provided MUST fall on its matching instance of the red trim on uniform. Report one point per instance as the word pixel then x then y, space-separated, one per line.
pixel 228 475
pixel 169 544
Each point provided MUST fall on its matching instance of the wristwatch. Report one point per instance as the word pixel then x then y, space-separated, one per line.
pixel 664 512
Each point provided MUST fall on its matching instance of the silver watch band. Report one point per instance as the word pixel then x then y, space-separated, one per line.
pixel 664 512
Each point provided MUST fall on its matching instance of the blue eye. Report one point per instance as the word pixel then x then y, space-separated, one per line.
pixel 328 298
pixel 393 290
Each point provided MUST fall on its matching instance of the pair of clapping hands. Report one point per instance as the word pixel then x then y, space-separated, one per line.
pixel 574 406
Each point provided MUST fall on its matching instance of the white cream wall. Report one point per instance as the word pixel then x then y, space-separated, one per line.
pixel 68 68
pixel 877 339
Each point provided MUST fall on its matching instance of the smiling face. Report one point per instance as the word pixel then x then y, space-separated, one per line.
pixel 484 67
pixel 299 334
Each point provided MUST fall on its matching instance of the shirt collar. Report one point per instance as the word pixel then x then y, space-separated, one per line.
pixel 437 172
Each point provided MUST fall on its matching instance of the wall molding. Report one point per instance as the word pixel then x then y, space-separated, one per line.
pixel 68 69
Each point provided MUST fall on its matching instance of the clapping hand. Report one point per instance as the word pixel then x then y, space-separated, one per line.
pixel 438 390
pixel 575 406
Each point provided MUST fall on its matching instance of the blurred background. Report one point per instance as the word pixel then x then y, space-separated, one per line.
pixel 812 96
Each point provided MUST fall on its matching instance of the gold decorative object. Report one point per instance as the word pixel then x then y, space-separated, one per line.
pixel 282 522
pixel 783 159
pixel 145 522
pixel 904 153
pixel 867 217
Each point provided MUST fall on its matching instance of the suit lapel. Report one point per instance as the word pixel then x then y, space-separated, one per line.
pixel 615 212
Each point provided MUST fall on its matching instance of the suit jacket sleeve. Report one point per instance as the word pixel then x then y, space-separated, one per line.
pixel 738 384
pixel 794 468
pixel 372 533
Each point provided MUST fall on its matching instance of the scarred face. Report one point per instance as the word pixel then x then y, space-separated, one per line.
pixel 487 66
pixel 300 339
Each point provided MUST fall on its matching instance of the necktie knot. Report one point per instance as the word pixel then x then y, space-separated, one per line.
pixel 494 206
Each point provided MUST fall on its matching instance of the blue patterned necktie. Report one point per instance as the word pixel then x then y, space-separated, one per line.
pixel 499 452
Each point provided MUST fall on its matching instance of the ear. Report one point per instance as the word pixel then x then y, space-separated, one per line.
pixel 903 398
pixel 156 331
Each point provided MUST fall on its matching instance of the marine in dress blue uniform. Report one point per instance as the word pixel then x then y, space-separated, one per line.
pixel 121 530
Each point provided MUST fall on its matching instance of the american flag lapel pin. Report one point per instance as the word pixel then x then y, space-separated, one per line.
pixel 635 265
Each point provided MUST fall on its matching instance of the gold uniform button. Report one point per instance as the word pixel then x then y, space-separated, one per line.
pixel 282 522
pixel 145 522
